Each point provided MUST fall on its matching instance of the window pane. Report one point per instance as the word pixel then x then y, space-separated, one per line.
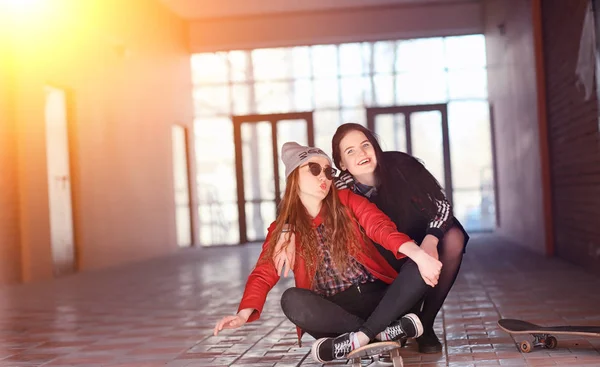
pixel 273 97
pixel 351 62
pixel 211 100
pixel 241 99
pixel 216 172
pixel 472 172
pixel 384 56
pixel 384 89
pixel 209 68
pixel 257 155
pixel 301 62
pixel 356 115
pixel 471 148
pixel 421 88
pixel 475 209
pixel 326 122
pixel 420 54
pixel 324 61
pixel 238 63
pixel 289 130
pixel 391 131
pixel 326 93
pixel 271 64
pixel 218 223
pixel 465 52
pixel 367 51
pixel 303 95
pixel 258 218
pixel 467 84
pixel 355 92
pixel 427 143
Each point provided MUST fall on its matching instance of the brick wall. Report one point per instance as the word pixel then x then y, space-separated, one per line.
pixel 574 137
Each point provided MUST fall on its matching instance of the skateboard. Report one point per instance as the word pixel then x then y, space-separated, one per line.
pixel 373 351
pixel 542 334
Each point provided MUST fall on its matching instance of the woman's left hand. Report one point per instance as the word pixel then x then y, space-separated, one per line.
pixel 228 322
pixel 233 321
pixel 429 267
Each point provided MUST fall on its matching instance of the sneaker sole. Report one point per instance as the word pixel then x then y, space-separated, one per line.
pixel 416 323
pixel 315 348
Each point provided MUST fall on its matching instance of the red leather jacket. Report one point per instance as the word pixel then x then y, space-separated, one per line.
pixel 377 226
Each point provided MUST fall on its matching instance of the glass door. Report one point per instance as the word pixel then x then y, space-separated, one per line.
pixel 421 131
pixel 260 174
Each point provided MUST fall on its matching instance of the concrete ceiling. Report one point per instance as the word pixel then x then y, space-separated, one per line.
pixel 202 9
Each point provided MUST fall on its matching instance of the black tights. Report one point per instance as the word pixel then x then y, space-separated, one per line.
pixel 450 250
pixel 369 308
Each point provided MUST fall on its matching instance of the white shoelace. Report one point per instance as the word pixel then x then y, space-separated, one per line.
pixel 393 331
pixel 341 349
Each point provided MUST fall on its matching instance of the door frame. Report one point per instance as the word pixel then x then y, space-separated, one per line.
pixel 239 169
pixel 372 113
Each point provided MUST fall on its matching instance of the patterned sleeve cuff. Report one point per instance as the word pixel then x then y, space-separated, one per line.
pixel 345 181
pixel 437 232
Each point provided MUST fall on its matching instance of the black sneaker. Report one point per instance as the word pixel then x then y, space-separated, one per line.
pixel 327 349
pixel 409 326
pixel 429 343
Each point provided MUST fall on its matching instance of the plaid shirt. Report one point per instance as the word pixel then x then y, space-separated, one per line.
pixel 328 279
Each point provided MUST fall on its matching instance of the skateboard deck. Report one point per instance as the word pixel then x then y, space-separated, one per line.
pixel 542 335
pixel 373 351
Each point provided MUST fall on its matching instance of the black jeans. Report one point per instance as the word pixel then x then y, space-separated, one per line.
pixel 369 307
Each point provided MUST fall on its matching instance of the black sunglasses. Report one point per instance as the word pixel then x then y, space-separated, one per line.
pixel 316 169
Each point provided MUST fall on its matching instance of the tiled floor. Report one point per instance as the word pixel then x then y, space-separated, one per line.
pixel 161 313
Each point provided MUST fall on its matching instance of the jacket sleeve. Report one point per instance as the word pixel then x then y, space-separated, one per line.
pixel 378 226
pixel 344 181
pixel 260 281
pixel 443 219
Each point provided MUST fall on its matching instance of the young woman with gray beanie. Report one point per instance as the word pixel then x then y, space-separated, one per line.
pixel 346 294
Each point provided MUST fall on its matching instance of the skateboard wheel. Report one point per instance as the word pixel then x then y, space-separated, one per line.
pixel 551 342
pixel 525 346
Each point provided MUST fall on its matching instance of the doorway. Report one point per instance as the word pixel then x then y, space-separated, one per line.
pixel 181 186
pixel 59 181
pixel 421 131
pixel 259 173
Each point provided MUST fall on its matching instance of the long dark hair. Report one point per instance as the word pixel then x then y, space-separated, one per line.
pixel 405 191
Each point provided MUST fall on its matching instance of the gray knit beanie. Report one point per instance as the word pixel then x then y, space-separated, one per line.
pixel 294 154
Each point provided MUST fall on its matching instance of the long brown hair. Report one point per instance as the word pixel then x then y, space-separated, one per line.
pixel 341 236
